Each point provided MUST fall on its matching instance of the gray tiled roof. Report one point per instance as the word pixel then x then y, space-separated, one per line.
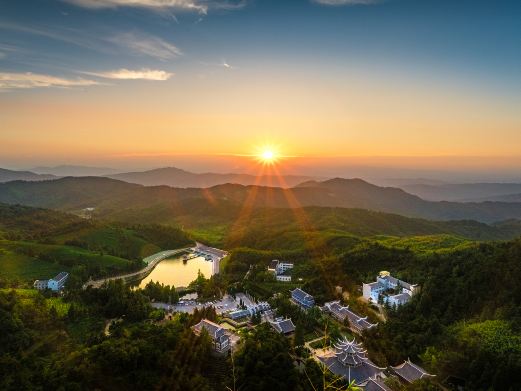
pixel 375 384
pixel 302 297
pixel 410 372
pixel 344 312
pixel 61 276
pixel 283 326
pixel 214 330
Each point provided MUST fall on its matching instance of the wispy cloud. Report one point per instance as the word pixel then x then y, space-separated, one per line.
pixel 136 42
pixel 345 2
pixel 14 80
pixel 128 74
pixel 201 6
pixel 146 45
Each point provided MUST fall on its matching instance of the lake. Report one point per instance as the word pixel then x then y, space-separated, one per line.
pixel 172 271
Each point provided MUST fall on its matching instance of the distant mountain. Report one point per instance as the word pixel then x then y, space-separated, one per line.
pixel 176 177
pixel 464 191
pixel 11 175
pixel 72 170
pixel 220 206
pixel 117 199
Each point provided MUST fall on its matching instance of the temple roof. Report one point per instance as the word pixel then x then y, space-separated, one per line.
pixel 283 326
pixel 345 312
pixel 375 384
pixel 410 372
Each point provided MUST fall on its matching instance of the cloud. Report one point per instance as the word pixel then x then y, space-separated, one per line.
pixel 136 42
pixel 200 6
pixel 127 74
pixel 345 2
pixel 146 45
pixel 15 80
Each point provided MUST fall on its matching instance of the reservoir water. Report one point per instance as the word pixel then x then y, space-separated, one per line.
pixel 172 271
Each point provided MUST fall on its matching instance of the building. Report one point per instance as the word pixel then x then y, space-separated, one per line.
pixel 281 270
pixel 283 326
pixel 357 323
pixel 375 383
pixel 221 341
pixel 303 299
pixel 349 360
pixel 409 372
pixel 390 290
pixel 283 278
pixel 41 284
pixel 238 314
pixel 55 284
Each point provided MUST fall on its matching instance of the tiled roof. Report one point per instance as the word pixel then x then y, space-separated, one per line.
pixel 344 312
pixel 401 297
pixel 410 372
pixel 302 296
pixel 283 326
pixel 375 384
pixel 273 264
pixel 214 330
pixel 61 276
pixel 375 285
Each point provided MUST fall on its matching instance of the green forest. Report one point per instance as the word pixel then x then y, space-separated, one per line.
pixel 465 323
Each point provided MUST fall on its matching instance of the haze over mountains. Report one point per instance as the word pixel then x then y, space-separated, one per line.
pixel 111 196
pixel 176 177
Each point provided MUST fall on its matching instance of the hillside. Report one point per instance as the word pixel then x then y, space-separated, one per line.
pixel 176 177
pixel 36 243
pixel 120 200
pixel 12 175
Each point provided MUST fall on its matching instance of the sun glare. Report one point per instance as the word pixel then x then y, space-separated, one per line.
pixel 268 156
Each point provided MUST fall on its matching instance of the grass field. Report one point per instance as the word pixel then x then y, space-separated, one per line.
pixel 19 260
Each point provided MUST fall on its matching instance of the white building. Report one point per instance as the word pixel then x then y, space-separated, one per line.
pixel 41 284
pixel 403 291
pixel 54 284
pixel 280 269
pixel 284 278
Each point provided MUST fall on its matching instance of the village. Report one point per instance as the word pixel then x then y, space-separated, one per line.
pixel 340 352
pixel 344 356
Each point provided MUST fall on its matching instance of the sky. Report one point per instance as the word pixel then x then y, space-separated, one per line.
pixel 406 85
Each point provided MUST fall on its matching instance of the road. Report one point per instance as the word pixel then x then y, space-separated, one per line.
pixel 151 262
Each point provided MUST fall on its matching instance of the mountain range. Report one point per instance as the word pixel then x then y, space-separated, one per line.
pixel 113 197
pixel 172 176
pixel 12 175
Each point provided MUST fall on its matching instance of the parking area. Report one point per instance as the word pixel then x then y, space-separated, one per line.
pixel 227 303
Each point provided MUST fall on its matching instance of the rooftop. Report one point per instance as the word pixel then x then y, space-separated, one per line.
pixel 61 276
pixel 283 326
pixel 301 295
pixel 344 312
pixel 411 372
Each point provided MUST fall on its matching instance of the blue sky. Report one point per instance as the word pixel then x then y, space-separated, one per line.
pixel 467 39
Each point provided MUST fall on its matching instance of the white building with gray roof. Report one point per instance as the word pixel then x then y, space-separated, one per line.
pixel 389 289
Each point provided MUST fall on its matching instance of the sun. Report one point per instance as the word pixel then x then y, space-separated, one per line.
pixel 267 156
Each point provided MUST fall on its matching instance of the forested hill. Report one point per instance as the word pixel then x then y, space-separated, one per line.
pixel 108 195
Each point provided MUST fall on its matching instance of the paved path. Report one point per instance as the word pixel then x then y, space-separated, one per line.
pixel 151 262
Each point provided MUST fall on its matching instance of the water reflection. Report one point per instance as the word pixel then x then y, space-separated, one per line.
pixel 175 272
